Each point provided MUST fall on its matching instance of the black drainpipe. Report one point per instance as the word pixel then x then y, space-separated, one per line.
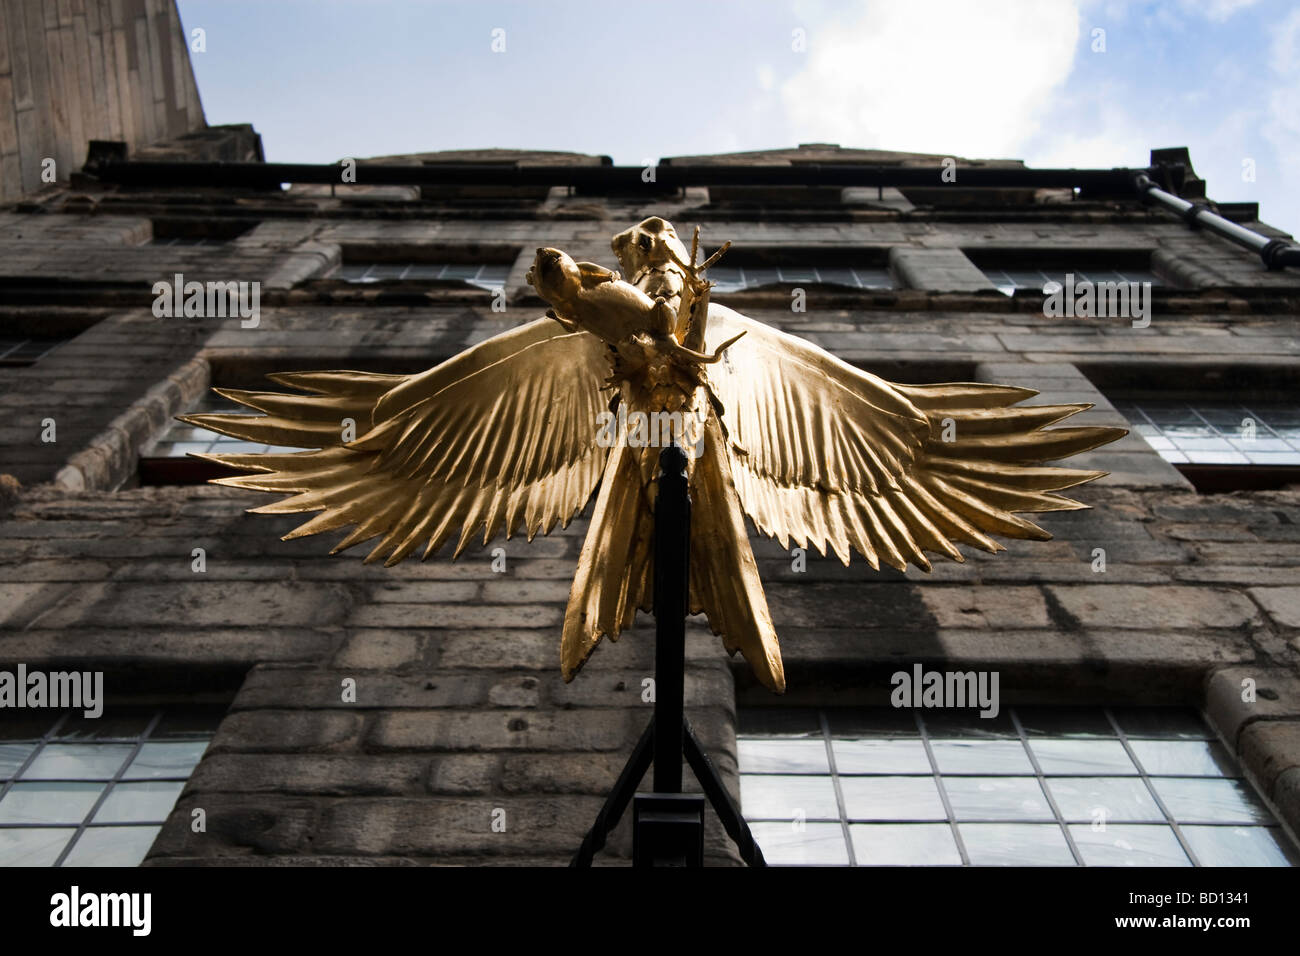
pixel 1276 253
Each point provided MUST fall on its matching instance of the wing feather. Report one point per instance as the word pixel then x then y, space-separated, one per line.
pixel 802 417
pixel 500 437
pixel 827 455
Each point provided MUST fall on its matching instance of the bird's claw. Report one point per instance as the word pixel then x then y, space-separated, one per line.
pixel 717 354
pixel 704 358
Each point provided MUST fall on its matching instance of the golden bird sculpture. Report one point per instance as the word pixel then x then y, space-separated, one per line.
pixel 518 431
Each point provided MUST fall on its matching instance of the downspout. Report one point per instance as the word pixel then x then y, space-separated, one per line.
pixel 1275 253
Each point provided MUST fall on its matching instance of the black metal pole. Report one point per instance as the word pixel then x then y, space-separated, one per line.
pixel 671 587
pixel 618 799
pixel 728 813
pixel 668 825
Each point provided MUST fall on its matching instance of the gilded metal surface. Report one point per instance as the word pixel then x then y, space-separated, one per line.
pixel 518 431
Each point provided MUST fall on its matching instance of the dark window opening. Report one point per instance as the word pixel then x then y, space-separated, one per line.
pixel 1224 429
pixel 167 460
pixel 479 266
pixel 1222 445
pixel 199 232
pixel 25 352
pixel 1009 281
pixel 754 267
pixel 1032 270
pixel 483 275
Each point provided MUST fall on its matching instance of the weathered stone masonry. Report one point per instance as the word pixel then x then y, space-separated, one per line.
pixel 460 709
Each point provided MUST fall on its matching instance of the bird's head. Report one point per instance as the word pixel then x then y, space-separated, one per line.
pixel 554 275
pixel 648 245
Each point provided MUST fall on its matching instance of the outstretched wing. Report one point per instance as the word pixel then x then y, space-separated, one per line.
pixel 503 434
pixel 828 455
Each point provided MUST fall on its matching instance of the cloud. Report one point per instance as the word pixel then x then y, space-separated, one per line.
pixel 1170 14
pixel 1118 138
pixel 971 79
pixel 1282 125
pixel 1216 10
pixel 1284 56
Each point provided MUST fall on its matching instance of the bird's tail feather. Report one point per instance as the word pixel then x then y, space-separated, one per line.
pixel 724 576
pixel 613 574
pixel 616 573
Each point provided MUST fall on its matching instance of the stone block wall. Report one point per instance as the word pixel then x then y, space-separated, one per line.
pixel 460 719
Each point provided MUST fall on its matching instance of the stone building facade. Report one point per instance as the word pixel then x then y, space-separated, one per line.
pixel 460 743
pixel 79 70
